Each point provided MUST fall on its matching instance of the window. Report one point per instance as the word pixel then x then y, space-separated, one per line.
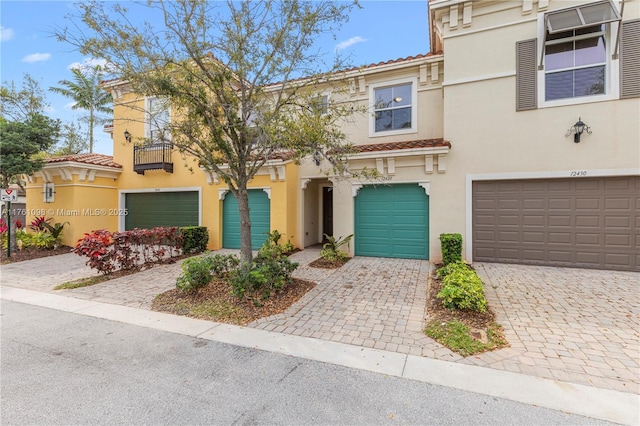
pixel 576 49
pixel 576 63
pixel 158 120
pixel 394 107
pixel 320 104
pixel 582 54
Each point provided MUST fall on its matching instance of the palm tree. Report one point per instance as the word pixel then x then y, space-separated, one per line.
pixel 85 90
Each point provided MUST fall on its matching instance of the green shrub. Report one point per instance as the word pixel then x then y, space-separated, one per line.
pixel 451 246
pixel 246 280
pixel 333 256
pixel 331 249
pixel 463 289
pixel 43 240
pixel 269 272
pixel 196 273
pixel 452 267
pixel 222 265
pixel 194 239
pixel 273 248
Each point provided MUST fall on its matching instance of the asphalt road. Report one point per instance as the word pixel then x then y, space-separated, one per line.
pixel 63 368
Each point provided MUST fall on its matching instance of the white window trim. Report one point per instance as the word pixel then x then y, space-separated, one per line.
pixel 147 115
pixel 612 71
pixel 414 107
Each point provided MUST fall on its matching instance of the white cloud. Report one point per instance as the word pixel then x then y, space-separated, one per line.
pixel 37 57
pixel 69 105
pixel 348 43
pixel 88 63
pixel 6 33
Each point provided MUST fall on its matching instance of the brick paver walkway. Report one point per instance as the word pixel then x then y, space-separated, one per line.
pixel 372 302
pixel 580 326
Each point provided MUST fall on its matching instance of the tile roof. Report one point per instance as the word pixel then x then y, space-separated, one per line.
pixel 394 61
pixel 93 159
pixel 364 67
pixel 392 146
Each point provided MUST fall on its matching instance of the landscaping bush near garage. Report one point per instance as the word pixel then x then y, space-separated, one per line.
pixel 459 315
pixel 451 246
pixel 194 239
pixel 39 239
pixel 108 252
pixel 221 288
pixel 331 256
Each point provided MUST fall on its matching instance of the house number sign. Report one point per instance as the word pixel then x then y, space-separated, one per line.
pixel 578 173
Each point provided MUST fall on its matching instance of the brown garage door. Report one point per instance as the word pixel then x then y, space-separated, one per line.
pixel 581 222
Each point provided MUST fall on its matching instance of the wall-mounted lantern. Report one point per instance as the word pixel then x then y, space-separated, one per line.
pixel 577 129
pixel 127 136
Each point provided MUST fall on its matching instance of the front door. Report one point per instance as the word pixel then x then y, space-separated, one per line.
pixel 327 211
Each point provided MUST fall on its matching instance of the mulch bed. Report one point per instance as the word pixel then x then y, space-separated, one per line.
pixel 327 264
pixel 237 311
pixel 31 253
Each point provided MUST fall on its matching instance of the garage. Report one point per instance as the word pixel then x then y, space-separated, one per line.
pixel 392 221
pixel 151 209
pixel 259 212
pixel 580 222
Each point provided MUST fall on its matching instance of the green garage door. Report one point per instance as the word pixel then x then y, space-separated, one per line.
pixel 151 209
pixel 260 213
pixel 392 221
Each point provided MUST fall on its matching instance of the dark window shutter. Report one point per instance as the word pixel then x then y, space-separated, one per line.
pixel 526 87
pixel 630 59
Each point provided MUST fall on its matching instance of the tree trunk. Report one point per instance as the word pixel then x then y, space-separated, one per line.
pixel 91 123
pixel 245 225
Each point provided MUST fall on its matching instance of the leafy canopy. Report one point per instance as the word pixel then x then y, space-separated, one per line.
pixel 240 77
pixel 21 141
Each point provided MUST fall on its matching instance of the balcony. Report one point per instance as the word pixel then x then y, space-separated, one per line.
pixel 156 156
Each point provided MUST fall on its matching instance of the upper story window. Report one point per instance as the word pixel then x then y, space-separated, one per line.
pixel 394 107
pixel 158 120
pixel 576 54
pixel 320 104
pixel 584 53
pixel 576 63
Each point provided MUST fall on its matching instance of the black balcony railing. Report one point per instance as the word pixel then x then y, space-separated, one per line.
pixel 156 156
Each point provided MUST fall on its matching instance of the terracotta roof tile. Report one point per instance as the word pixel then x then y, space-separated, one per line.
pixel 94 159
pixel 392 146
pixel 395 61
pixel 284 155
pixel 363 67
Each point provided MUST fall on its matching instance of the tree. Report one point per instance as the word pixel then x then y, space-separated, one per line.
pixel 18 104
pixel 73 140
pixel 20 141
pixel 88 95
pixel 240 78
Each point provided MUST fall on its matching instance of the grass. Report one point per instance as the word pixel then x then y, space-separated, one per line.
pixel 223 312
pixel 456 336
pixel 82 282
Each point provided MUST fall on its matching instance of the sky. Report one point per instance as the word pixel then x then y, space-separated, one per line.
pixel 379 31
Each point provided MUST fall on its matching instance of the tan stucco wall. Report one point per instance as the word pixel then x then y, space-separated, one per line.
pixel 489 138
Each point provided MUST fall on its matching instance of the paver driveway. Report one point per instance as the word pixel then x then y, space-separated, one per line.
pixel 580 326
pixel 575 325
